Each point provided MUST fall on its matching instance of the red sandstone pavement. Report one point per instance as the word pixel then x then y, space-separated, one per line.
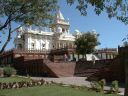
pixel 78 81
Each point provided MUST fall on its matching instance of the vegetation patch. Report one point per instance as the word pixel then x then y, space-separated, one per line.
pixel 99 87
pixel 51 90
pixel 19 86
pixel 13 79
pixel 9 71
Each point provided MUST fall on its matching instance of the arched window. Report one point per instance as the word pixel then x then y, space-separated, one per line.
pixel 63 30
pixel 43 45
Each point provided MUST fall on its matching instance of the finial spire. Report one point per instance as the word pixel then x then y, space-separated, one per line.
pixel 59 15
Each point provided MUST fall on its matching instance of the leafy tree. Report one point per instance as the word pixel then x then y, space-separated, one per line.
pixel 86 43
pixel 24 12
pixel 114 8
pixel 125 43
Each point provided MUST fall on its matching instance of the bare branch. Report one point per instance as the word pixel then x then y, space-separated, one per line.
pixel 6 22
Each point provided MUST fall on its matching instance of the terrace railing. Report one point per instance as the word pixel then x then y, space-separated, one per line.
pixel 30 51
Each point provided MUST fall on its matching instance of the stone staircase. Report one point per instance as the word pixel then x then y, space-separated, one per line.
pixel 60 69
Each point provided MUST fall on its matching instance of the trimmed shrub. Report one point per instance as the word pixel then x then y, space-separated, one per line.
pixel 95 86
pixel 9 71
pixel 102 83
pixel 114 87
pixel 98 86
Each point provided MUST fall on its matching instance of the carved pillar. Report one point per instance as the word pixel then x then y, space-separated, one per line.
pixel 59 45
pixel 106 55
pixel 101 56
pixel 72 45
pixel 63 45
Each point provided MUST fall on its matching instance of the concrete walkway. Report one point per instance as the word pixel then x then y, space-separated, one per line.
pixel 78 81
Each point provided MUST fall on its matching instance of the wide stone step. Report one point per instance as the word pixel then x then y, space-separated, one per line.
pixel 86 73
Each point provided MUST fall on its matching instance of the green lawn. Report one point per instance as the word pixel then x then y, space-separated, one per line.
pixel 45 90
pixel 13 79
pixel 50 90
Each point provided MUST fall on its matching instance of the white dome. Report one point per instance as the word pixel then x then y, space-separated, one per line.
pixel 94 31
pixel 77 30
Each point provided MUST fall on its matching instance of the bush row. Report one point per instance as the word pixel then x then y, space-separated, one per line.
pixel 22 84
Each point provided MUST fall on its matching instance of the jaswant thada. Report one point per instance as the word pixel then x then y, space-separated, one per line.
pixel 40 51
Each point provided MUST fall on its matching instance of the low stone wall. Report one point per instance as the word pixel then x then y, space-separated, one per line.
pixel 31 67
pixel 87 68
pixel 114 71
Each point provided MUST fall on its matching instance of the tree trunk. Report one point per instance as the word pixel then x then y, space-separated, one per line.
pixel 8 38
pixel 3 47
pixel 78 57
pixel 126 77
pixel 85 57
